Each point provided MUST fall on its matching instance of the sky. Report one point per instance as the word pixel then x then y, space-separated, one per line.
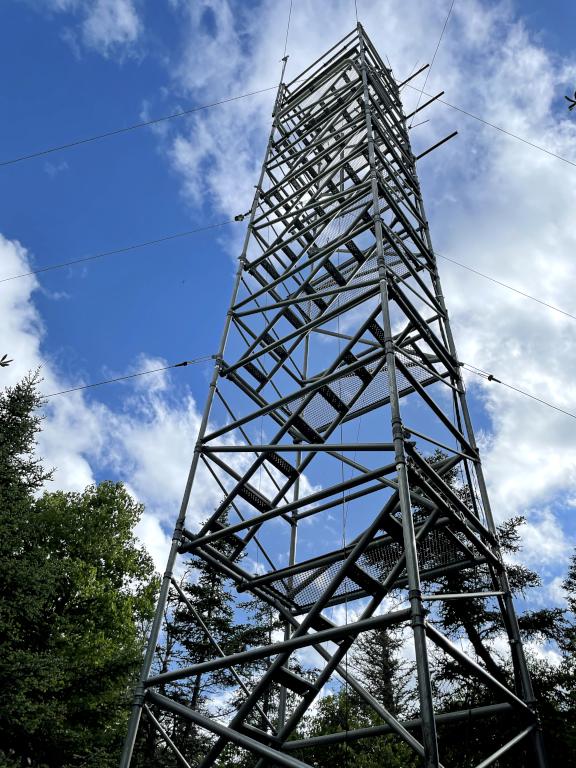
pixel 75 68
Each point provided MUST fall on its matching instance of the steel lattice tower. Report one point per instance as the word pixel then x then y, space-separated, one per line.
pixel 337 324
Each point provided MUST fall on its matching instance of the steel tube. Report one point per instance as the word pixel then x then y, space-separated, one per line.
pixel 295 448
pixel 431 758
pixel 339 177
pixel 162 731
pixel 438 144
pixel 506 748
pixel 311 499
pixel 301 641
pixel 443 642
pixel 382 730
pixel 235 737
pixel 138 701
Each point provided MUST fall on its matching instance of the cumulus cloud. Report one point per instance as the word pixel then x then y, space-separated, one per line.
pixel 147 443
pixel 493 202
pixel 109 24
pixel 544 541
pixel 110 27
pixel 23 335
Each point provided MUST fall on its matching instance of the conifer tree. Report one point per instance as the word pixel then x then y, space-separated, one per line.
pixel 477 622
pixel 342 712
pixel 200 618
pixel 377 662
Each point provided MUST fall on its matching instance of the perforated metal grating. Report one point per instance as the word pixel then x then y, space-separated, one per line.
pixel 437 549
pixel 320 414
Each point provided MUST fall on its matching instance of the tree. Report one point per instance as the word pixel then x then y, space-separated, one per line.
pixel 77 588
pixel 480 618
pixel 377 662
pixel 21 472
pixel 204 598
pixel 477 622
pixel 345 711
pixel 557 686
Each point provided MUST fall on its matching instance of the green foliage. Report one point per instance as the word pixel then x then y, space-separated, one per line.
pixel 21 472
pixel 478 623
pixel 344 711
pixel 556 685
pixel 385 675
pixel 184 642
pixel 376 662
pixel 77 589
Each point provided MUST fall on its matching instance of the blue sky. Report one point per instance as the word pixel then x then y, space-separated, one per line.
pixel 97 197
pixel 74 68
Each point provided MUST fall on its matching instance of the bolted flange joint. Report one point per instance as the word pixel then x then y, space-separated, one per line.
pixel 418 612
pixel 139 695
pixel 397 429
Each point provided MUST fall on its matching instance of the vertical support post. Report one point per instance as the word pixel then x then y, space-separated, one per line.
pixel 520 664
pixel 139 692
pixel 431 759
pixel 283 699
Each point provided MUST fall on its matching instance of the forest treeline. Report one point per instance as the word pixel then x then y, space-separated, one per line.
pixel 78 592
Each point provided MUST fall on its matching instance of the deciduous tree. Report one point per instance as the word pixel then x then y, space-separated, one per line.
pixel 77 589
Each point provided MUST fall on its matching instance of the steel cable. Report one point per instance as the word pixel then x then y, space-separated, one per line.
pixel 116 251
pixel 133 127
pixel 490 377
pixel 183 364
pixel 432 62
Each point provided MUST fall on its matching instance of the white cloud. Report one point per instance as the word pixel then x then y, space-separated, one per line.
pixel 556 592
pixel 156 539
pixel 493 202
pixel 110 24
pixel 543 540
pixel 23 336
pixel 161 379
pixel 110 27
pixel 543 653
pixel 153 448
pixel 148 444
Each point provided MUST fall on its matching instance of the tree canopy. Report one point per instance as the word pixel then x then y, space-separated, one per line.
pixel 78 589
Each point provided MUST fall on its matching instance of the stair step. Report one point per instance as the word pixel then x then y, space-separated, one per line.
pixel 251 495
pixel 364 580
pixel 281 464
pixel 305 429
pixel 291 680
pixel 255 372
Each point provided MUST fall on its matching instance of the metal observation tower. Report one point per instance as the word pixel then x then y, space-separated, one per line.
pixel 336 381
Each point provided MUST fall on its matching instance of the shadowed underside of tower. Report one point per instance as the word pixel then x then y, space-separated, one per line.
pixel 338 451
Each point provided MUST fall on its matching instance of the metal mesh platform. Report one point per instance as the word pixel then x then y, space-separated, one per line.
pixel 305 587
pixel 320 413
